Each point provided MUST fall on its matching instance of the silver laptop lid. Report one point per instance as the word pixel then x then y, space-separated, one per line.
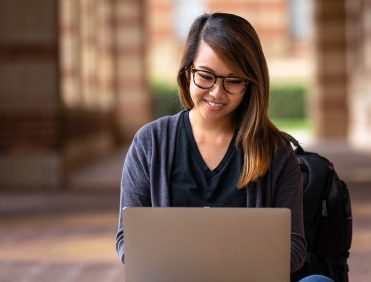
pixel 207 244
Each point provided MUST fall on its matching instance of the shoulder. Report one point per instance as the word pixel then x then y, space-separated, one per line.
pixel 282 149
pixel 163 127
pixel 284 168
pixel 156 134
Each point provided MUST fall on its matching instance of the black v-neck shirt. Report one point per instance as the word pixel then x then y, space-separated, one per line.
pixel 193 184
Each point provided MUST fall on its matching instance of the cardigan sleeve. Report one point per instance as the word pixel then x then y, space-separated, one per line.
pixel 135 185
pixel 288 193
pixel 146 169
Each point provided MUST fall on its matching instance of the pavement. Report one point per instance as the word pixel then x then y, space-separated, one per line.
pixel 68 235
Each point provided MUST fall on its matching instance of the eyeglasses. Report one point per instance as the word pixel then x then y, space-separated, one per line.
pixel 206 80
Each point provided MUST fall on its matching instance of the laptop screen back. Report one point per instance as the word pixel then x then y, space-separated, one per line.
pixel 207 244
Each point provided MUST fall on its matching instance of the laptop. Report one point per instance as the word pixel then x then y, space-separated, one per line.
pixel 207 244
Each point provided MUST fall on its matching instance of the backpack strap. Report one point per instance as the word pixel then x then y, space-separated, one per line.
pixel 314 199
pixel 298 149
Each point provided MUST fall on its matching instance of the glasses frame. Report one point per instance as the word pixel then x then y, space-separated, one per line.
pixel 194 70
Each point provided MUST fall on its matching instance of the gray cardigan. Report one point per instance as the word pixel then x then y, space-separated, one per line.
pixel 146 176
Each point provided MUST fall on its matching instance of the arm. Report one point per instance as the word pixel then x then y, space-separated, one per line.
pixel 135 184
pixel 288 192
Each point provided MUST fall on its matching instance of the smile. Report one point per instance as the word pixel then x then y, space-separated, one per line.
pixel 213 104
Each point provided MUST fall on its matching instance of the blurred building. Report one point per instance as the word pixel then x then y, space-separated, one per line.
pixel 72 85
pixel 74 73
pixel 284 28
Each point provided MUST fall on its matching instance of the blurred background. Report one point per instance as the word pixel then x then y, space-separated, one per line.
pixel 79 77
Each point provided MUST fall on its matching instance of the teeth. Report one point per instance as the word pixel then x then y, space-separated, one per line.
pixel 214 104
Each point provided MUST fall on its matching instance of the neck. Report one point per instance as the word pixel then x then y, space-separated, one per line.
pixel 206 127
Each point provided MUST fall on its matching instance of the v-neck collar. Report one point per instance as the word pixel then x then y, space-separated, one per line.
pixel 197 153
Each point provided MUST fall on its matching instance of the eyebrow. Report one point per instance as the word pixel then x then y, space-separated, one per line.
pixel 211 70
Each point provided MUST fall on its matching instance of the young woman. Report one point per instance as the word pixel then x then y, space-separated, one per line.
pixel 222 150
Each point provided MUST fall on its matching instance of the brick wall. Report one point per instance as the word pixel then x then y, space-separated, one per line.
pixel 270 18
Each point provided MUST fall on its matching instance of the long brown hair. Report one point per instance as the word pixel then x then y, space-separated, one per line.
pixel 236 42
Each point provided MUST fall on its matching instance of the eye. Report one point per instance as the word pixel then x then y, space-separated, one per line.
pixel 205 76
pixel 234 81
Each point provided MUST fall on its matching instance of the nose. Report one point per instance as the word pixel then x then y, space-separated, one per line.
pixel 217 89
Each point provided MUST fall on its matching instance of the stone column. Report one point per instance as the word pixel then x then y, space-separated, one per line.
pixel 328 101
pixel 29 94
pixel 359 40
pixel 134 103
pixel 86 74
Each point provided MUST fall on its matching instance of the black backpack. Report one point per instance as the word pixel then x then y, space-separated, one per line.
pixel 327 217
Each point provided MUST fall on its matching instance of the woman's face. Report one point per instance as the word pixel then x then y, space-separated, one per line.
pixel 214 104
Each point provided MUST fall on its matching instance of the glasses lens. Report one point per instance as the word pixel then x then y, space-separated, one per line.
pixel 234 85
pixel 203 79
